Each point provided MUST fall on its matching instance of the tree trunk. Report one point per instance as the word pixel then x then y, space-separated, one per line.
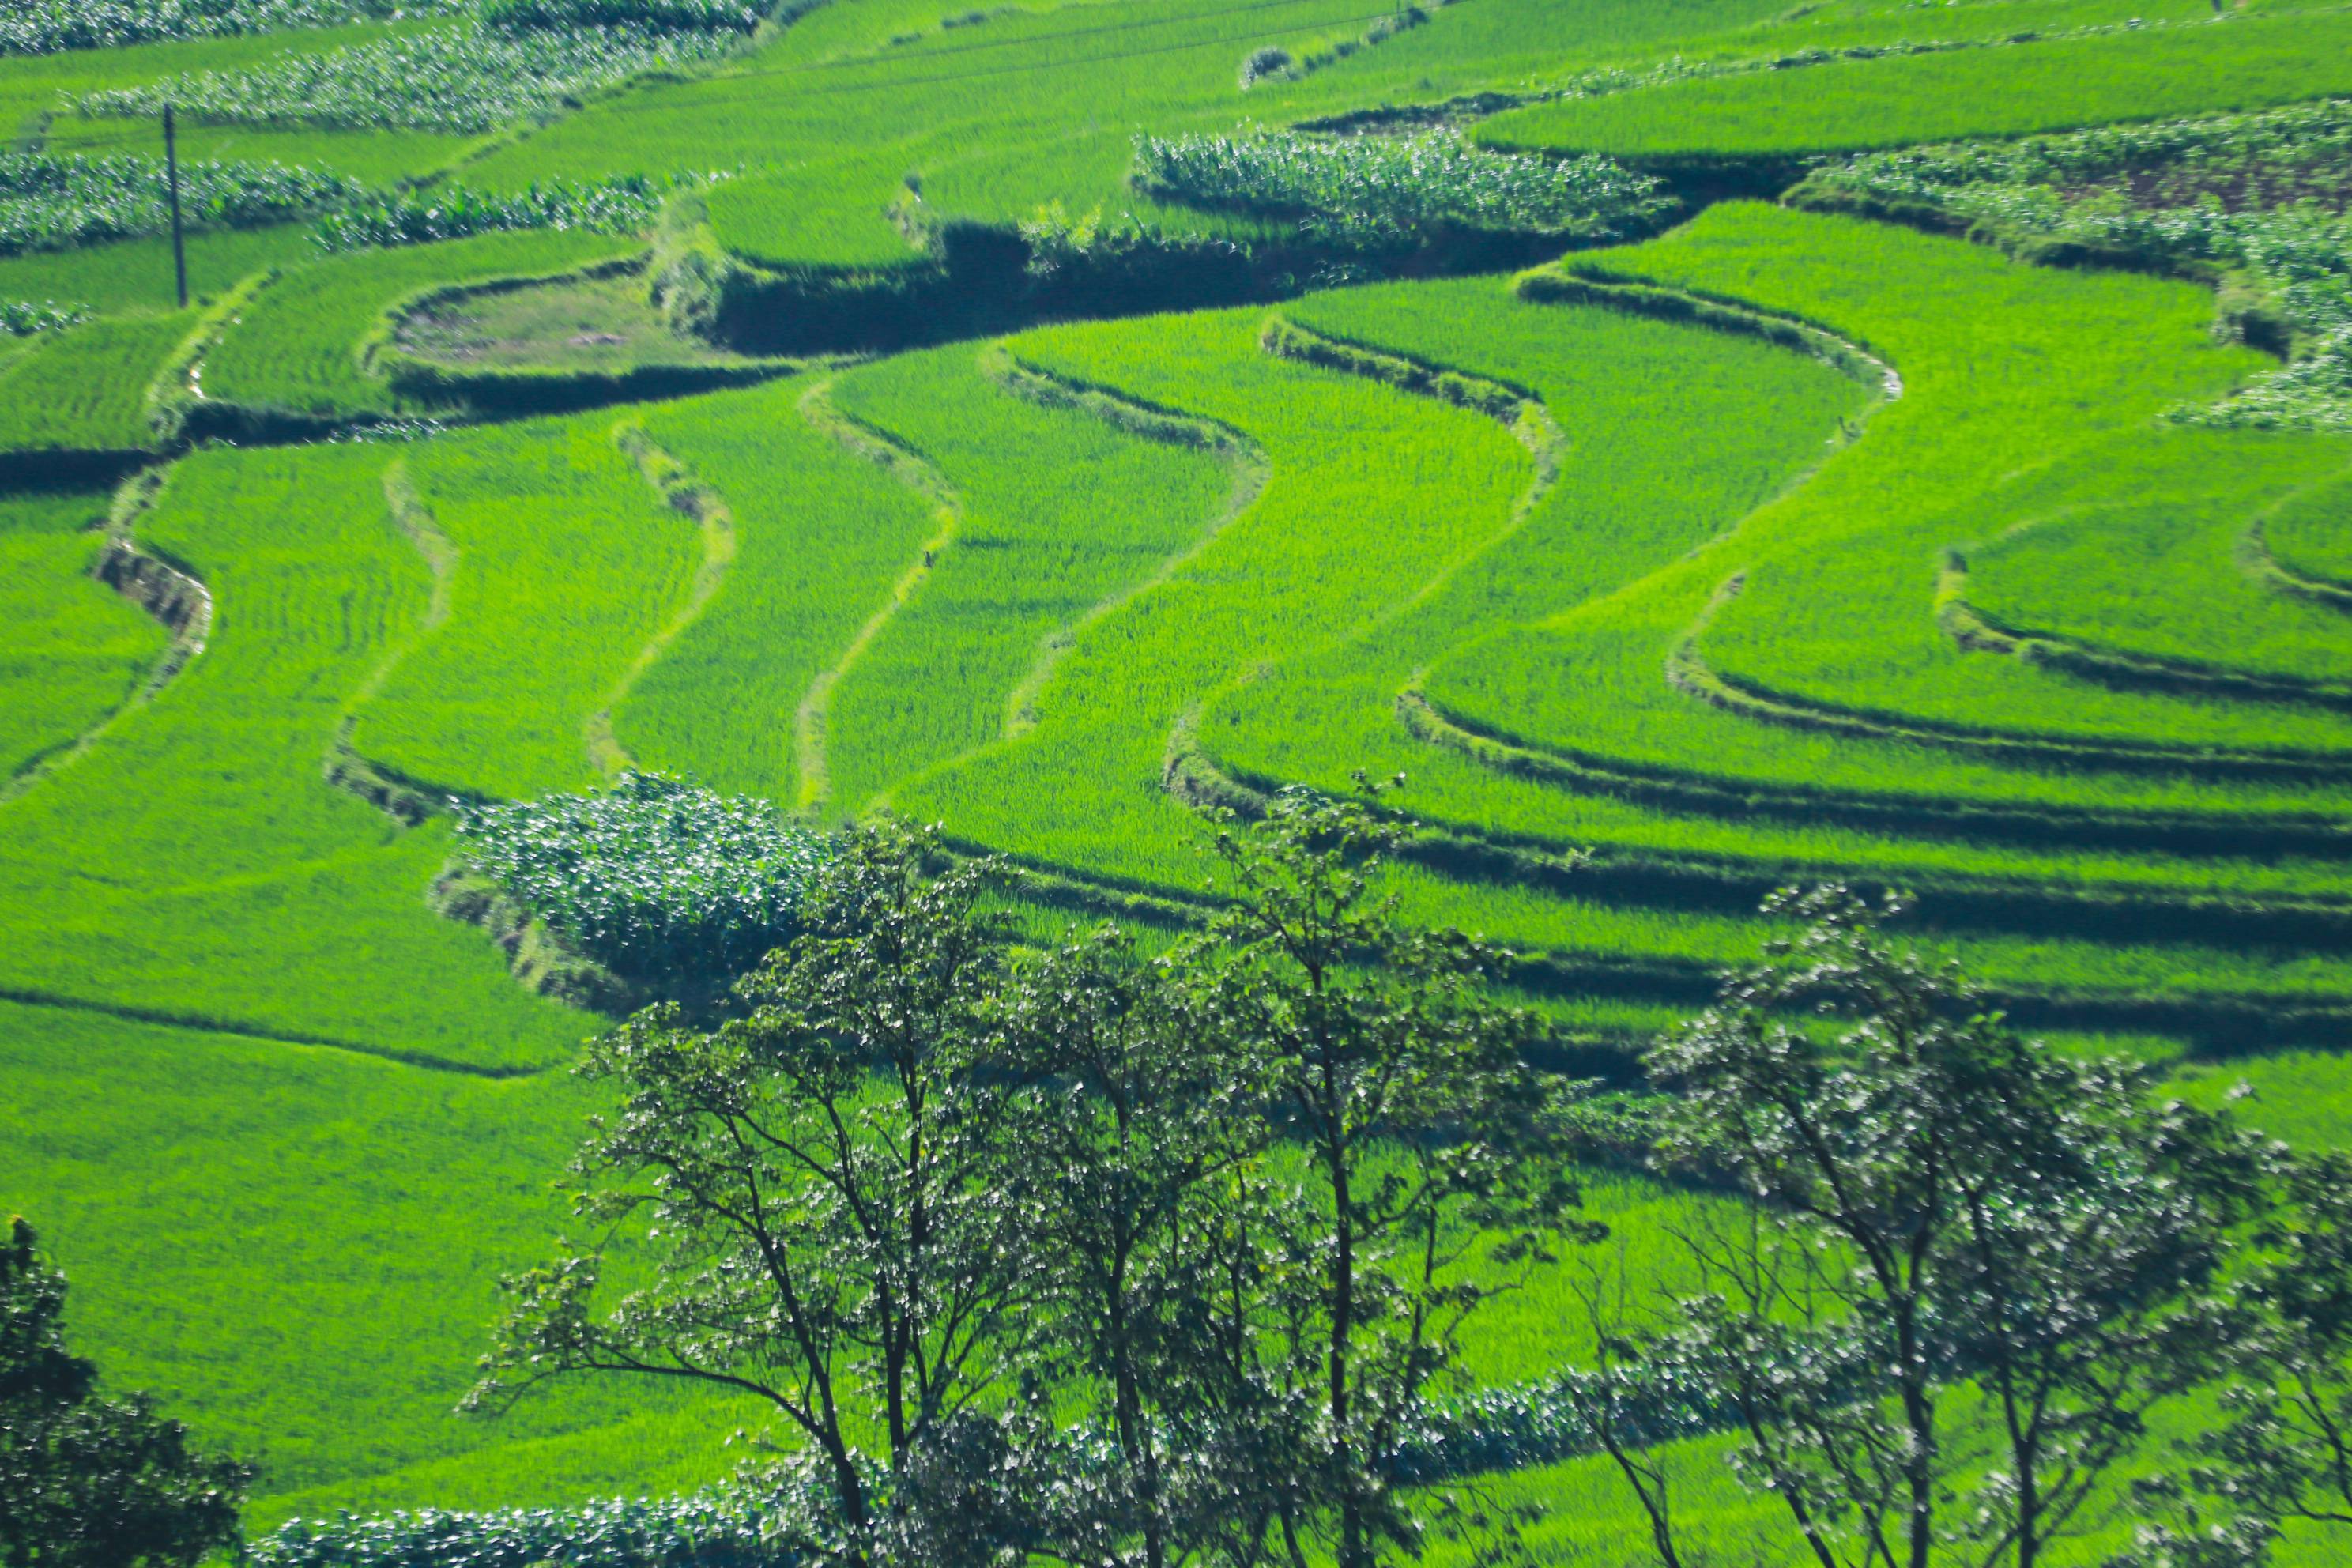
pixel 1353 1549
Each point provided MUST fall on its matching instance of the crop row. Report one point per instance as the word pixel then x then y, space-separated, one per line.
pixel 450 79
pixel 2225 63
pixel 222 880
pixel 46 27
pixel 1382 187
pixel 55 202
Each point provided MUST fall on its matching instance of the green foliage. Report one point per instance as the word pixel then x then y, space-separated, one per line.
pixel 1937 1198
pixel 654 876
pixel 1426 1138
pixel 726 1526
pixel 669 15
pixel 22 318
pixel 623 205
pixel 457 79
pixel 2002 90
pixel 1367 188
pixel 85 1481
pixel 817 1184
pixel 47 203
pixel 43 27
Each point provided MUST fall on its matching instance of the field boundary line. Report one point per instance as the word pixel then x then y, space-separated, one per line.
pixel 403 799
pixel 1974 630
pixel 2216 1024
pixel 1915 815
pixel 2254 555
pixel 1518 410
pixel 174 598
pixel 179 381
pixel 1244 458
pixel 1734 885
pixel 689 496
pixel 198 1023
pixel 1580 281
pixel 813 785
pixel 1689 672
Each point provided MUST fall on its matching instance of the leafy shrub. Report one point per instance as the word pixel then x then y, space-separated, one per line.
pixel 736 1526
pixel 656 875
pixel 22 318
pixel 463 79
pixel 618 205
pixel 1377 187
pixel 667 16
pixel 47 202
pixel 724 1527
pixel 45 27
pixel 1271 60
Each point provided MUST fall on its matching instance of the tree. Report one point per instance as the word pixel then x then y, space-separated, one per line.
pixel 1157 1231
pixel 815 1188
pixel 1431 1149
pixel 1971 1269
pixel 2283 1449
pixel 88 1481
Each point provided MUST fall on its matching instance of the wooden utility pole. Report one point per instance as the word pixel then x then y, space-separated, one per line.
pixel 172 177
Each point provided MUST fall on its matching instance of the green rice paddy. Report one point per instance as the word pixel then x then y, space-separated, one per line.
pixel 1780 546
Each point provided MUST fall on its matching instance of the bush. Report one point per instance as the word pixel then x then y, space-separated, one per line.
pixel 666 16
pixel 725 1527
pixel 619 206
pixel 1271 60
pixel 47 203
pixel 464 79
pixel 1376 189
pixel 22 318
pixel 656 875
pixel 45 27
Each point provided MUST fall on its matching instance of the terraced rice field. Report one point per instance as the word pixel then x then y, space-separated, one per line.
pixel 1777 546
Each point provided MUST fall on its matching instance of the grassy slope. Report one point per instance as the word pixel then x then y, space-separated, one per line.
pixel 314 603
pixel 2307 535
pixel 86 388
pixel 355 1340
pixel 1979 403
pixel 1059 513
pixel 70 650
pixel 822 535
pixel 2163 581
pixel 2056 85
pixel 194 863
pixel 298 346
pixel 568 564
pixel 131 275
pixel 1370 493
